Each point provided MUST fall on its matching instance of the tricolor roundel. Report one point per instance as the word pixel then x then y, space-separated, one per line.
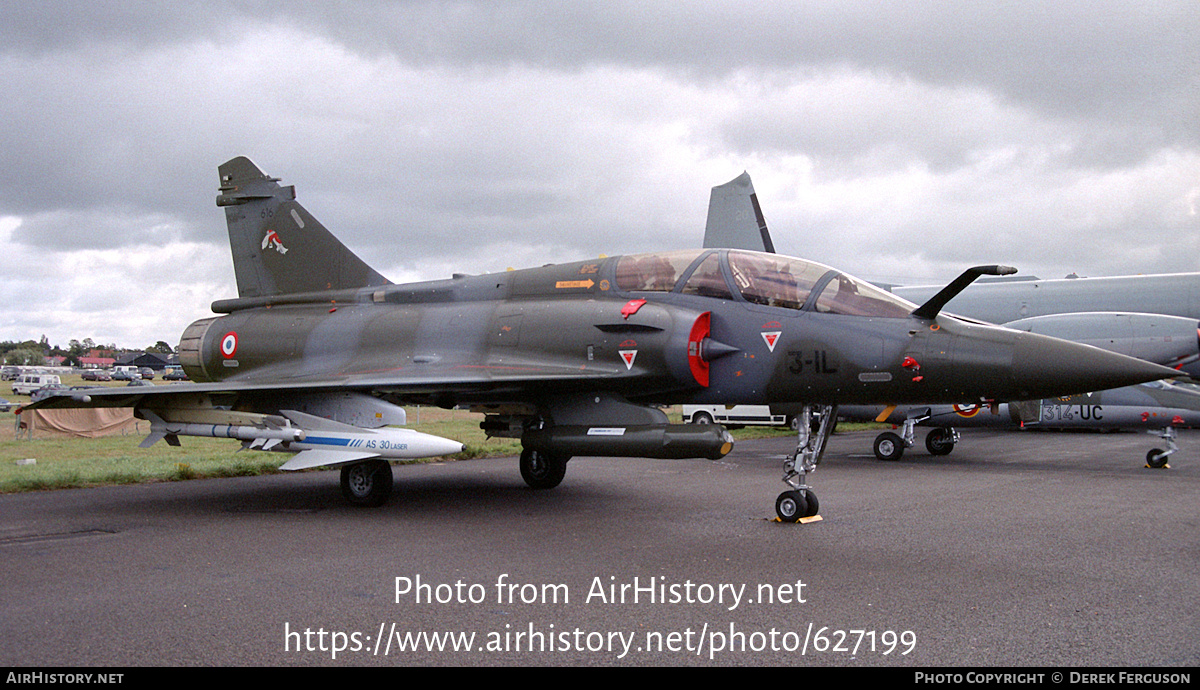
pixel 229 343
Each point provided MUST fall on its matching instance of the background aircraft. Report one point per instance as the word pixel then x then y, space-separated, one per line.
pixel 1081 308
pixel 1157 407
pixel 573 359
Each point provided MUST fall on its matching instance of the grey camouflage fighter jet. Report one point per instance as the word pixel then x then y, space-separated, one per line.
pixel 572 359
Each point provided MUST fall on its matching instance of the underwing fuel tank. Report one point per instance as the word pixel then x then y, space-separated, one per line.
pixel 666 441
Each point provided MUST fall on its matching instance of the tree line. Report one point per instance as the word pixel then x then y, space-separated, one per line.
pixel 37 352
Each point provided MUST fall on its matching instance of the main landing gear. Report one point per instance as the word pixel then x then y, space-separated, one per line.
pixel 939 440
pixel 367 483
pixel 800 501
pixel 542 470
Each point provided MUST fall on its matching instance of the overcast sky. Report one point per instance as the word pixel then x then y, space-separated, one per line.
pixel 901 142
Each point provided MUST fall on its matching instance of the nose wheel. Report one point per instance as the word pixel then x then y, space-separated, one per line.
pixel 1156 458
pixel 797 504
pixel 799 501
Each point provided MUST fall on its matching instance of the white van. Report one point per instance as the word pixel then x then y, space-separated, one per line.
pixel 26 384
pixel 735 416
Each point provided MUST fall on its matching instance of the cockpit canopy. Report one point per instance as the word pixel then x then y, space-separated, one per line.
pixel 767 279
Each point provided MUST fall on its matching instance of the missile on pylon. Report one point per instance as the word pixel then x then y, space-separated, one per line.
pixel 327 442
pixel 316 441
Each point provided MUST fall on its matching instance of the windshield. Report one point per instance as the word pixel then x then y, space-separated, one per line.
pixel 852 297
pixel 653 272
pixel 774 280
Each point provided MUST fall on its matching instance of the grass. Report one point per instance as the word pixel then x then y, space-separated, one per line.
pixel 66 462
pixel 76 462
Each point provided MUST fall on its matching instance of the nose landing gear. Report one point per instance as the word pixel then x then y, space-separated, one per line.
pixel 800 501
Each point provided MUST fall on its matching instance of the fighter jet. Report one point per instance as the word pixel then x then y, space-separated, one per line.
pixel 573 359
pixel 1157 407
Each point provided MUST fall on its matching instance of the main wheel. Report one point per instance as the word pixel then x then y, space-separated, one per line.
pixel 1156 459
pixel 542 470
pixel 939 441
pixel 367 483
pixel 889 446
pixel 790 506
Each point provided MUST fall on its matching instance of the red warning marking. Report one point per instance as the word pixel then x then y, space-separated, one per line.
pixel 628 356
pixel 771 337
pixel 631 307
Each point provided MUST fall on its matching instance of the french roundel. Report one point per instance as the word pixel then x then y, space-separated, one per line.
pixel 229 344
pixel 968 410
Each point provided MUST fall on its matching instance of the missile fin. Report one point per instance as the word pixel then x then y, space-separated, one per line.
pixel 320 458
pixel 154 437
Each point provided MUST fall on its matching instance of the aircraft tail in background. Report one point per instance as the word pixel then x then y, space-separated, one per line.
pixel 735 220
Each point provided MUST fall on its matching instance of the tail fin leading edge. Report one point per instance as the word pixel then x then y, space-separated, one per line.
pixel 278 247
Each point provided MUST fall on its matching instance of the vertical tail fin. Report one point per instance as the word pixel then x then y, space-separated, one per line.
pixel 735 220
pixel 279 247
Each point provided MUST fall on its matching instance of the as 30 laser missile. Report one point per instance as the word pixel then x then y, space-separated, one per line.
pixel 316 441
pixel 327 442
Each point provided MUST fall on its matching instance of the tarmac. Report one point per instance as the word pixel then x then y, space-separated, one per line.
pixel 1018 549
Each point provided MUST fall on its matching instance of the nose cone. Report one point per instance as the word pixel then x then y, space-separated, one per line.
pixel 1049 367
pixel 430 446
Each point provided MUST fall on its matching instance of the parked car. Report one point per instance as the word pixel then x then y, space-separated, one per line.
pixel 5 405
pixel 48 390
pixel 147 373
pixel 176 374
pixel 139 382
pixel 96 375
pixel 125 373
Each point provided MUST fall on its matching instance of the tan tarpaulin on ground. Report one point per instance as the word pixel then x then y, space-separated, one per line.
pixel 84 422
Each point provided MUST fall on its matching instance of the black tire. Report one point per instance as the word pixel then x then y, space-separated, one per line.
pixel 1156 459
pixel 367 484
pixel 813 504
pixel 939 441
pixel 542 470
pixel 702 418
pixel 889 446
pixel 790 506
